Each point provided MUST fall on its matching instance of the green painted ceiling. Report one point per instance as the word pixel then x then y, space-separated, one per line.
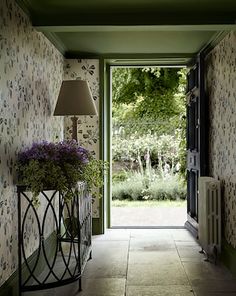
pixel 135 42
pixel 161 28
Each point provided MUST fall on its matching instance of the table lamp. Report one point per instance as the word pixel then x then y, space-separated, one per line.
pixel 74 99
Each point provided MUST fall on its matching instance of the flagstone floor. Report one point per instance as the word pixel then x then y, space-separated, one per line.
pixel 152 262
pixel 148 262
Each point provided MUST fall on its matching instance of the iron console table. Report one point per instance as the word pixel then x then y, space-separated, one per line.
pixel 54 238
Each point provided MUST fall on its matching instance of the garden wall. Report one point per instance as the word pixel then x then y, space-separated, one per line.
pixel 31 71
pixel 221 90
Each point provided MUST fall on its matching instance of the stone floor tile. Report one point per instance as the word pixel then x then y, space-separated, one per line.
pixel 207 293
pixel 213 286
pixel 195 259
pixel 158 258
pixel 102 287
pixel 182 235
pixel 113 234
pixel 190 248
pixel 110 251
pixel 151 275
pixel 187 244
pixel 113 255
pixel 110 244
pixel 151 245
pixel 106 270
pixel 174 290
pixel 192 253
pixel 152 233
pixel 48 292
pixel 70 289
pixel 206 270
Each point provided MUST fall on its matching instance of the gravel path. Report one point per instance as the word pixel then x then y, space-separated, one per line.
pixel 144 216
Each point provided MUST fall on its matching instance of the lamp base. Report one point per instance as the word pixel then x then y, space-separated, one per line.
pixel 74 120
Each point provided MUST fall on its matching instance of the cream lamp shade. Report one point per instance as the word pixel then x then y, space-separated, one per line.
pixel 75 98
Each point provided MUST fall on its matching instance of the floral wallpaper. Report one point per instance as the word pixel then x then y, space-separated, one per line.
pixel 88 126
pixel 221 89
pixel 31 71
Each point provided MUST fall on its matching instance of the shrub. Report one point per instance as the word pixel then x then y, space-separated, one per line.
pixel 131 188
pixel 120 176
pixel 136 187
pixel 168 188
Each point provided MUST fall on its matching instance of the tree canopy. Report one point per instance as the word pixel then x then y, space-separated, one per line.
pixel 150 94
pixel 149 103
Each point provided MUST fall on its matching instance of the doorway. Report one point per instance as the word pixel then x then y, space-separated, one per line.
pixel 148 147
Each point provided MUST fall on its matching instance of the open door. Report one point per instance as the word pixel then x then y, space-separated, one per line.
pixel 197 140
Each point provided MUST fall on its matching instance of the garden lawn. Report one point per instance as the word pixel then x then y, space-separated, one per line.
pixel 149 203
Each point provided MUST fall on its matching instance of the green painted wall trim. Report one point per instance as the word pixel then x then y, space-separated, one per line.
pixel 113 57
pixel 11 286
pixel 214 42
pixel 25 6
pixel 108 101
pixel 100 19
pixel 101 223
pixel 107 125
pixel 52 37
pixel 97 227
pixel 228 256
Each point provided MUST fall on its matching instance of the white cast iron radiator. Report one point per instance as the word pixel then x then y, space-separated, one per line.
pixel 209 218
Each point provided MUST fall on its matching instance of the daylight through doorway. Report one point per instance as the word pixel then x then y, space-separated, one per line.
pixel 148 147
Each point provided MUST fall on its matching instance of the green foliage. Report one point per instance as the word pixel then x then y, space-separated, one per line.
pixel 127 190
pixel 167 188
pixel 148 115
pixel 149 92
pixel 93 174
pixel 128 126
pixel 39 177
pixel 161 149
pixel 40 169
pixel 120 176
pixel 170 188
pixel 129 84
pixel 149 183
pixel 182 148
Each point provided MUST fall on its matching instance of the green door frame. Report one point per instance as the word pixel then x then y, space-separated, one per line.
pixel 106 123
pixel 100 224
pixel 107 155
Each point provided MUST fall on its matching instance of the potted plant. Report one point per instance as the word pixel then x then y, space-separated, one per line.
pixel 58 166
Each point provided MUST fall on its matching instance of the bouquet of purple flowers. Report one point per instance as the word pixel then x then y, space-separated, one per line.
pixel 60 153
pixel 58 166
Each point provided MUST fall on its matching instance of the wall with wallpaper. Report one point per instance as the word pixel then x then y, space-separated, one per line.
pixel 31 71
pixel 88 126
pixel 221 89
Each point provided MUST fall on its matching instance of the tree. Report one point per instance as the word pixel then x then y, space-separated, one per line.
pixel 148 99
